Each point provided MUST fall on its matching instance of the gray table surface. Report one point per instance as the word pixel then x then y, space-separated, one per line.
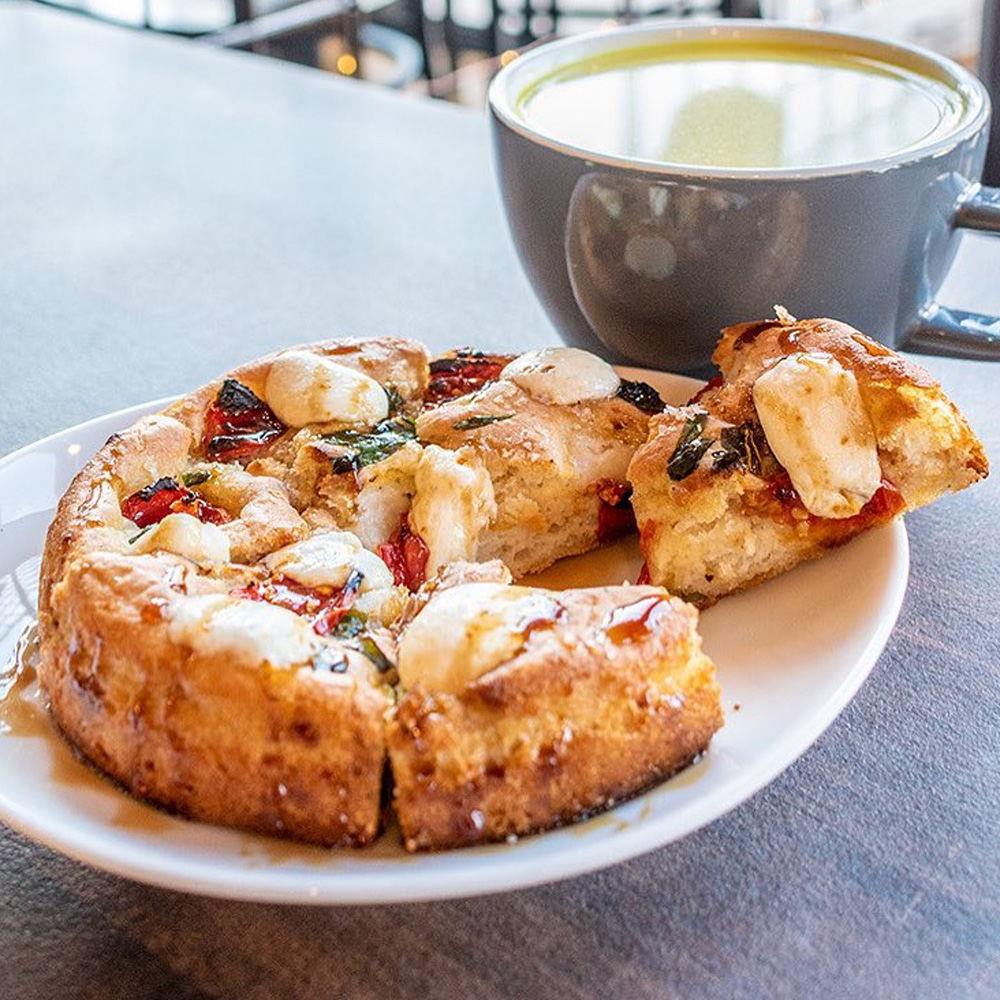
pixel 167 211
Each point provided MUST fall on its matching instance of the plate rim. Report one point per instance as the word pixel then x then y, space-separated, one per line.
pixel 331 887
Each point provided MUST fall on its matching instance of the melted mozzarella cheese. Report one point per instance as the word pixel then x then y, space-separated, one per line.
pixel 453 502
pixel 468 630
pixel 816 424
pixel 255 632
pixel 186 536
pixel 304 388
pixel 327 559
pixel 384 605
pixel 562 375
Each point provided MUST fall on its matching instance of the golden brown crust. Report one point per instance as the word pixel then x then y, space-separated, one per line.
pixel 571 724
pixel 208 736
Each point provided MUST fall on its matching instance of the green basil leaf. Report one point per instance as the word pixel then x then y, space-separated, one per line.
pixel 689 449
pixel 395 399
pixel 196 478
pixel 351 625
pixel 369 648
pixel 369 447
pixel 482 420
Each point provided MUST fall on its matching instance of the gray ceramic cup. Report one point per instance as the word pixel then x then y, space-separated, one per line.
pixel 645 262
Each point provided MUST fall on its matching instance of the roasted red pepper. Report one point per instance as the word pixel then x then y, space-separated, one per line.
pixel 884 505
pixel 153 503
pixel 466 372
pixel 614 516
pixel 405 553
pixel 326 606
pixel 238 423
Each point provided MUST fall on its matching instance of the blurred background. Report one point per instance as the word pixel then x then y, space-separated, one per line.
pixel 449 49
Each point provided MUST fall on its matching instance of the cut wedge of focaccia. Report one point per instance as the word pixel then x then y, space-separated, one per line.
pixel 521 708
pixel 812 434
pixel 531 467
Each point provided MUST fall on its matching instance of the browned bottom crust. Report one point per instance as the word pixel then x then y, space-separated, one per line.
pixel 212 739
pixel 551 740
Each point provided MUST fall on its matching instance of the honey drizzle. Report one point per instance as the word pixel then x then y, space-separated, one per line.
pixel 22 708
pixel 24 713
pixel 632 622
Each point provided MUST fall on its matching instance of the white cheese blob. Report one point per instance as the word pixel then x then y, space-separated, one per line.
pixel 562 375
pixel 816 424
pixel 452 504
pixel 185 535
pixel 304 388
pixel 466 631
pixel 327 559
pixel 382 606
pixel 255 632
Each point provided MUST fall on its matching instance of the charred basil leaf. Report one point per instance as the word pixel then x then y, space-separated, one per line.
pixel 369 647
pixel 150 491
pixel 195 478
pixel 395 399
pixel 695 597
pixel 330 659
pixel 642 396
pixel 368 447
pixel 136 537
pixel 690 447
pixel 235 397
pixel 738 446
pixel 353 584
pixel 480 420
pixel 460 362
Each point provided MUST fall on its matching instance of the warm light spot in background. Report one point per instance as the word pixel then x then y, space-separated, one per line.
pixel 507 57
pixel 347 64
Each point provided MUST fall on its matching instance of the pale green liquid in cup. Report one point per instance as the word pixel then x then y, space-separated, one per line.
pixel 737 103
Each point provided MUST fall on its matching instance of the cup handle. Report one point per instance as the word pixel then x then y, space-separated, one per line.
pixel 955 332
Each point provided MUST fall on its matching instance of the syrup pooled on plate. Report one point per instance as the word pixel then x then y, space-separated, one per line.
pixel 22 710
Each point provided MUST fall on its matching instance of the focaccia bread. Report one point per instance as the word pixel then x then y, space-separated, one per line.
pixel 812 434
pixel 225 584
pixel 521 708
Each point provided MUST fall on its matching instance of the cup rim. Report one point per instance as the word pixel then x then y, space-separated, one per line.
pixel 966 82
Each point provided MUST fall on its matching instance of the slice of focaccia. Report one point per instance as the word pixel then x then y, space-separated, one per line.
pixel 524 708
pixel 812 434
pixel 531 467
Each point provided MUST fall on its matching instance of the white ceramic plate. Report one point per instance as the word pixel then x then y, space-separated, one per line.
pixel 790 655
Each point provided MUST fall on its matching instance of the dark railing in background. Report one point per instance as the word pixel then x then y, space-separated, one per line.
pixel 419 41
pixel 989 73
